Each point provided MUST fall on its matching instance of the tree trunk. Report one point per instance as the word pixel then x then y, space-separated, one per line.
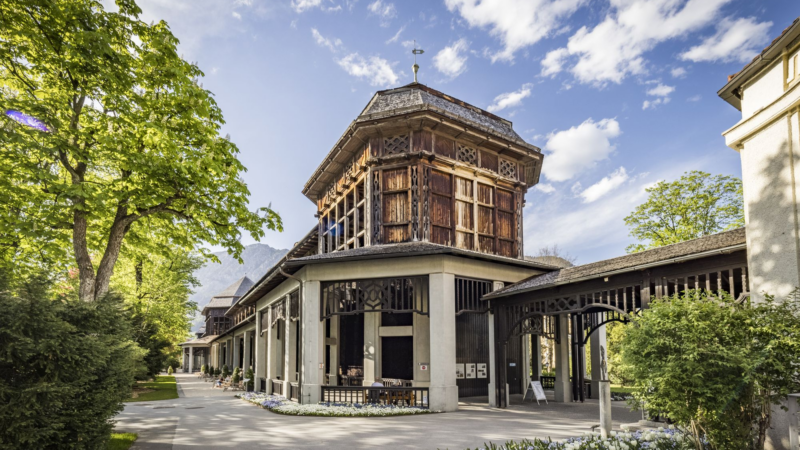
pixel 82 258
pixel 115 237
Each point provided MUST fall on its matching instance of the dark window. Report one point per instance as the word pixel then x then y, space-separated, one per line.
pixel 396 319
pixel 397 357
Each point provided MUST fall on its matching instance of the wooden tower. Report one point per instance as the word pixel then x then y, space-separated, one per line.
pixel 419 165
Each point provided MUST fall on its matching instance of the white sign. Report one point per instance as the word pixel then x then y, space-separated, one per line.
pixel 471 370
pixel 423 367
pixel 537 391
pixel 482 371
pixel 459 371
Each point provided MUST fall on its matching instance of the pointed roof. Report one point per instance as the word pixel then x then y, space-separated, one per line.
pixel 230 295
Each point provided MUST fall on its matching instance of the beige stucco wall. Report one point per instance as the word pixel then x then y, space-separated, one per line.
pixel 768 141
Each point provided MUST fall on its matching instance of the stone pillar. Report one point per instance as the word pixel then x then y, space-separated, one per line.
pixel 183 360
pixel 291 351
pixel 604 393
pixel 536 355
pixel 191 359
pixel 260 369
pixel 563 390
pixel 247 351
pixel 526 361
pixel 313 334
pixel 794 421
pixel 492 363
pixel 372 323
pixel 236 351
pixel 597 340
pixel 443 389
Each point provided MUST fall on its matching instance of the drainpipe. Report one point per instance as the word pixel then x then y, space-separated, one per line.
pixel 300 318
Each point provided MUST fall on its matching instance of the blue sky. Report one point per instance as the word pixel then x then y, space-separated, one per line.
pixel 619 94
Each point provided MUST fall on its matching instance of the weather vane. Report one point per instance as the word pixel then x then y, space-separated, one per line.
pixel 416 51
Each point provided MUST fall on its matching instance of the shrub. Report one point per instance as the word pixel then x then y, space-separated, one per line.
pixel 235 377
pixel 203 369
pixel 169 370
pixel 65 368
pixel 225 371
pixel 714 365
pixel 250 376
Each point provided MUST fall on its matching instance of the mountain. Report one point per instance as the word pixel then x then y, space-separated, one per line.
pixel 214 277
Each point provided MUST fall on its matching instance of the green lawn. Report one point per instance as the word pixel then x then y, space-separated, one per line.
pixel 617 389
pixel 121 441
pixel 165 389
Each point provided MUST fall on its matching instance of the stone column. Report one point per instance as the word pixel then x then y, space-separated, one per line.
pixel 313 334
pixel 563 390
pixel 191 359
pixel 247 351
pixel 260 369
pixel 291 351
pixel 443 389
pixel 596 340
pixel 372 323
pixel 236 351
pixel 526 361
pixel 794 421
pixel 183 360
pixel 536 355
pixel 422 349
pixel 604 393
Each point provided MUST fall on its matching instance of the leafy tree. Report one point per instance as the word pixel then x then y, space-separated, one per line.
pixel 250 378
pixel 714 365
pixel 65 367
pixel 695 205
pixel 132 142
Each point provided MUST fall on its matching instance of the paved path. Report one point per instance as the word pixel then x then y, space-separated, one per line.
pixel 205 418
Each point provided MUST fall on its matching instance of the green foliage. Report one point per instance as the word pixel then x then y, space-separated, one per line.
pixel 217 372
pixel 134 145
pixel 714 365
pixel 236 376
pixel 695 205
pixel 65 367
pixel 616 370
pixel 164 388
pixel 203 369
pixel 169 370
pixel 225 371
pixel 121 441
pixel 250 376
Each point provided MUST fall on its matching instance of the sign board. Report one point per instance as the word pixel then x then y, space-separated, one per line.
pixel 482 371
pixel 459 371
pixel 537 391
pixel 471 370
pixel 423 367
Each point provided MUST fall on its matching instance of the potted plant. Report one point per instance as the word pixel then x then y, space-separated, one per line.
pixel 235 377
pixel 203 369
pixel 225 371
pixel 250 380
pixel 169 370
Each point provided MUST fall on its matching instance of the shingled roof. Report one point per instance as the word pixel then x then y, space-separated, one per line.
pixel 723 242
pixel 410 249
pixel 230 295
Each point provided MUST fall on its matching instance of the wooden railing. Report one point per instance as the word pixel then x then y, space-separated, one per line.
pixel 277 387
pixel 400 396
pixel 244 314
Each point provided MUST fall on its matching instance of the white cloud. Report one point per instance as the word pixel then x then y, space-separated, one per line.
pixel 572 151
pixel 545 187
pixel 332 45
pixel 735 40
pixel 609 183
pixel 409 44
pixel 553 62
pixel 386 11
pixel 304 5
pixel 452 60
pixel 516 23
pixel 694 98
pixel 651 104
pixel 678 72
pixel 236 15
pixel 510 99
pixel 662 90
pixel 377 71
pixel 396 36
pixel 615 48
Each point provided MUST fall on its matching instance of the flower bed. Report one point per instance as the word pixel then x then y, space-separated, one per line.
pixel 662 439
pixel 281 405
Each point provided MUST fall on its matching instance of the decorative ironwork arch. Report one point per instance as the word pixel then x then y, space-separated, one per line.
pixel 534 323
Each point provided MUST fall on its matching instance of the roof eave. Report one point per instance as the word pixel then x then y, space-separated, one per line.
pixel 677 259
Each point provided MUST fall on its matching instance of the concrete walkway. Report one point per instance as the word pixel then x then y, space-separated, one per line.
pixel 205 418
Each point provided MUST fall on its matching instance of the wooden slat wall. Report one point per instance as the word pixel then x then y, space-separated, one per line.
pixel 396 205
pixel 441 194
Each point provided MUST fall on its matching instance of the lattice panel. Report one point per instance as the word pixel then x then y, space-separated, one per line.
pixel 278 312
pixel 467 154
pixel 508 168
pixel 396 144
pixel 294 306
pixel 402 295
